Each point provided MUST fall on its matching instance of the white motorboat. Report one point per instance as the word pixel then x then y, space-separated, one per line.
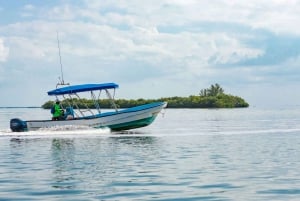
pixel 116 120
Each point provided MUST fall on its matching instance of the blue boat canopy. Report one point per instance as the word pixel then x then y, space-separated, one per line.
pixel 81 88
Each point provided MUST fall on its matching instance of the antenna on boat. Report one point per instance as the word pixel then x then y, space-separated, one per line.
pixel 61 79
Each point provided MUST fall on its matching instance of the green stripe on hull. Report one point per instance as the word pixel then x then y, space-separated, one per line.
pixel 132 124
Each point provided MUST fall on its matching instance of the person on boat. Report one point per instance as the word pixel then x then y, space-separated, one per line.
pixel 57 112
pixel 69 114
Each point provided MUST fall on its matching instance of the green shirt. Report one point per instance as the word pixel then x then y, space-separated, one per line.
pixel 57 111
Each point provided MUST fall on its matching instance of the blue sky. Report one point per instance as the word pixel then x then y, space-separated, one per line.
pixel 152 49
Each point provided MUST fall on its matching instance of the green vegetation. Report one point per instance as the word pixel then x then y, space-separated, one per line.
pixel 213 97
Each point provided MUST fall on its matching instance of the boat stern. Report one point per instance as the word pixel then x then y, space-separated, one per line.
pixel 17 125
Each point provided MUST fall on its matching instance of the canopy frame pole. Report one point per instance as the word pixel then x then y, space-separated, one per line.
pixel 87 108
pixel 111 100
pixel 96 103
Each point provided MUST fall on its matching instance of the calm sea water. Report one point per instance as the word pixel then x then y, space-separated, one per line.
pixel 186 154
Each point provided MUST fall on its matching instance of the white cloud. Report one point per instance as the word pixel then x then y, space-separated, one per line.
pixel 28 10
pixel 65 12
pixel 182 44
pixel 29 7
pixel 278 16
pixel 4 51
pixel 26 48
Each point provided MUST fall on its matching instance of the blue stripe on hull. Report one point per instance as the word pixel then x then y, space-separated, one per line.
pixel 133 124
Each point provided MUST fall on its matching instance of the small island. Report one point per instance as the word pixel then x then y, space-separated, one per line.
pixel 212 97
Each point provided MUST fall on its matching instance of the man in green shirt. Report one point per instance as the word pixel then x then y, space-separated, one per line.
pixel 57 111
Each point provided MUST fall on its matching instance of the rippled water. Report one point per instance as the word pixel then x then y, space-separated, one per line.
pixel 186 154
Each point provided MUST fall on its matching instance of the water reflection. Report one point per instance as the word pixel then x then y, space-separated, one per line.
pixel 130 132
pixel 63 154
pixel 134 140
pixel 15 142
pixel 99 160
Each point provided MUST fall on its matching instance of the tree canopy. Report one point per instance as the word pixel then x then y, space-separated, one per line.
pixel 214 90
pixel 212 97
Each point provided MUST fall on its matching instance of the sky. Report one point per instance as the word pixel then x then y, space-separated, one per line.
pixel 152 49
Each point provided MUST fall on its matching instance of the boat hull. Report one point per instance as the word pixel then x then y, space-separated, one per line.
pixel 126 119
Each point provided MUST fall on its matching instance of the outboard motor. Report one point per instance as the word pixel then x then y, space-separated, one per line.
pixel 17 125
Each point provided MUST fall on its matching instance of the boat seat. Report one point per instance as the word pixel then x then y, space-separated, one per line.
pixel 69 114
